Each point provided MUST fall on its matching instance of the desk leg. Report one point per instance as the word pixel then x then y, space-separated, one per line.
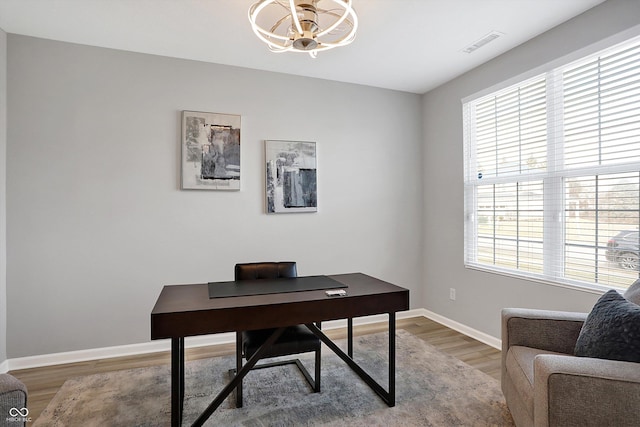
pixel 177 380
pixel 387 396
pixel 350 337
pixel 238 367
pixel 237 378
pixel 392 359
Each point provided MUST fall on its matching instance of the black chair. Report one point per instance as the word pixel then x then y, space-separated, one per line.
pixel 294 340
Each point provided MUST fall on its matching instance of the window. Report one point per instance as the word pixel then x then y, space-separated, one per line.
pixel 552 173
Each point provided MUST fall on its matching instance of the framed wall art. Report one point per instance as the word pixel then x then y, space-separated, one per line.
pixel 291 176
pixel 210 151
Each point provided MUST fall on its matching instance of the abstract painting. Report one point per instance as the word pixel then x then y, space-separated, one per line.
pixel 210 151
pixel 291 176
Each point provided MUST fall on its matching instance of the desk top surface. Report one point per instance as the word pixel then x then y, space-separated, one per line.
pixel 195 297
pixel 181 309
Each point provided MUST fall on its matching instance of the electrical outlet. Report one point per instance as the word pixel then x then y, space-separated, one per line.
pixel 452 294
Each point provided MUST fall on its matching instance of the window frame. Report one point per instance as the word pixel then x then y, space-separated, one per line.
pixel 554 225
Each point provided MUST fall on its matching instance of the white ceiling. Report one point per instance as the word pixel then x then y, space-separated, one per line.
pixel 407 45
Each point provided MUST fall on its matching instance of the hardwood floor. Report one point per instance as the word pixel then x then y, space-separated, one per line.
pixel 44 383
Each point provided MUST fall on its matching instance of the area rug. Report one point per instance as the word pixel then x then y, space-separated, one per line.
pixel 432 389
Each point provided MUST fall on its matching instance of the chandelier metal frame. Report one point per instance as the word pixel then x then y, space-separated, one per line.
pixel 298 30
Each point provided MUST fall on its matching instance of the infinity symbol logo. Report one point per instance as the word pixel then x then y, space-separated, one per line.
pixel 14 412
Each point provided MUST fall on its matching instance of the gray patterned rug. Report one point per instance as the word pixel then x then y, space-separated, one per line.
pixel 432 389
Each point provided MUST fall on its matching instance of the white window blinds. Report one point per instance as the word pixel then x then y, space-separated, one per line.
pixel 601 102
pixel 511 131
pixel 552 173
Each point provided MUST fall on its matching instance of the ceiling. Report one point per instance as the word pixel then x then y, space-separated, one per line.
pixel 406 45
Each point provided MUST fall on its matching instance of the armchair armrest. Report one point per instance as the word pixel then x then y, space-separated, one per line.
pixel 585 391
pixel 547 330
pixel 13 394
pixel 544 329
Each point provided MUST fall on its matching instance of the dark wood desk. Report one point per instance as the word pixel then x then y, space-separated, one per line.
pixel 187 310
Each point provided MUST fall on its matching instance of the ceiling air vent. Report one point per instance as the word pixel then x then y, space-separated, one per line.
pixel 483 41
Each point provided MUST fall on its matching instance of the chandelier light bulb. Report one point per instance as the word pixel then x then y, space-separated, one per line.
pixel 308 26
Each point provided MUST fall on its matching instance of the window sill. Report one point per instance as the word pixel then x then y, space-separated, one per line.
pixel 592 289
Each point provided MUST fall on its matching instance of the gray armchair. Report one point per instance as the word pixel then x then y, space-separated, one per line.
pixel 545 385
pixel 13 395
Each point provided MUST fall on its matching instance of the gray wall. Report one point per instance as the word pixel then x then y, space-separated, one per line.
pixel 481 295
pixel 3 196
pixel 97 223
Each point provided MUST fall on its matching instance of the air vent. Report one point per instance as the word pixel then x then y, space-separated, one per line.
pixel 483 41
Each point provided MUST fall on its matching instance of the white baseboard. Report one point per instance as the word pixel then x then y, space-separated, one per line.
pixel 229 337
pixel 487 339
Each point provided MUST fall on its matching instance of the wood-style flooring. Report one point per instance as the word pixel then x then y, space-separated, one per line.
pixel 43 383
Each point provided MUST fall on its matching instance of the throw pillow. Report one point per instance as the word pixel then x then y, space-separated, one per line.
pixel 633 293
pixel 612 330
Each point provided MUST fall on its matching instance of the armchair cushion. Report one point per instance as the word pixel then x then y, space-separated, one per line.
pixel 612 330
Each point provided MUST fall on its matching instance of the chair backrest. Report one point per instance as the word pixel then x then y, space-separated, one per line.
pixel 265 270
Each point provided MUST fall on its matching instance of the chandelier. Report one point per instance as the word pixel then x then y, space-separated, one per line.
pixel 307 26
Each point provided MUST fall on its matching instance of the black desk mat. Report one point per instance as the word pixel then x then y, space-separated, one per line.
pixel 272 286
